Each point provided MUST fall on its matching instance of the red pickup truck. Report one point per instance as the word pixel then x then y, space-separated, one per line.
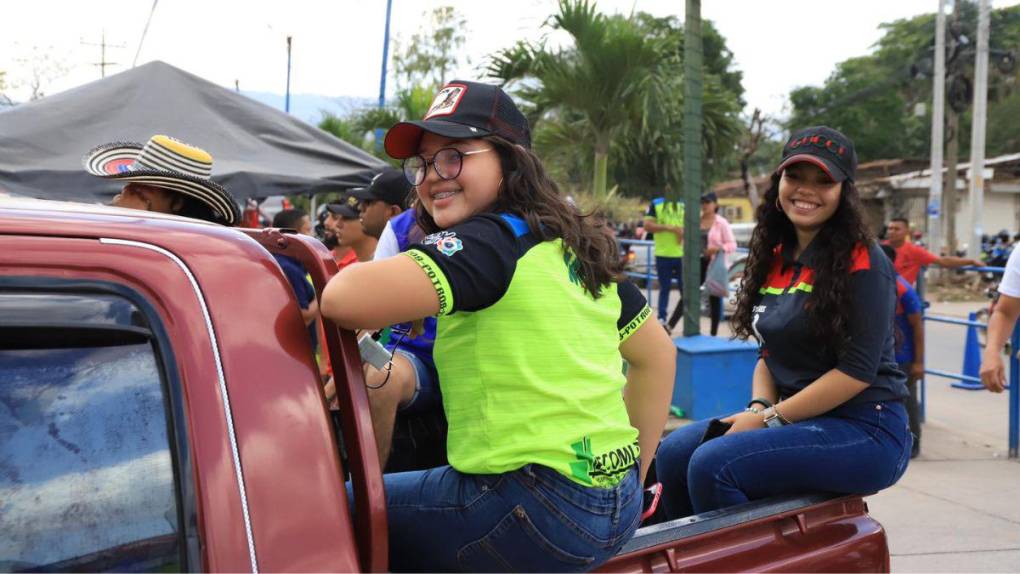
pixel 160 409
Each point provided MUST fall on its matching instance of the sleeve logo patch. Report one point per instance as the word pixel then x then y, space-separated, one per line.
pixel 446 242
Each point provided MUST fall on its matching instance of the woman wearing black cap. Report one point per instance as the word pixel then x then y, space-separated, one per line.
pixel 547 457
pixel 826 411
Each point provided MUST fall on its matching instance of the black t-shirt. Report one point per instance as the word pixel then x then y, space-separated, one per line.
pixel 791 351
pixel 479 257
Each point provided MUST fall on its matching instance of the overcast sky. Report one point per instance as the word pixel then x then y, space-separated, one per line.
pixel 337 44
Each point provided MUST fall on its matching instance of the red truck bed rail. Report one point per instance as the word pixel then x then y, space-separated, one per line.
pixel 369 510
pixel 814 533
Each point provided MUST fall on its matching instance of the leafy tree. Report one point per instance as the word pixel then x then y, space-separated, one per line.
pixel 431 54
pixel 873 98
pixel 4 99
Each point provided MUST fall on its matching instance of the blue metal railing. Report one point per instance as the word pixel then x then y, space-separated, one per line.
pixel 971 382
pixel 648 274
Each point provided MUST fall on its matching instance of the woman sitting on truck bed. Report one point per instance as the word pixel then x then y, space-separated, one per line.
pixel 547 456
pixel 826 410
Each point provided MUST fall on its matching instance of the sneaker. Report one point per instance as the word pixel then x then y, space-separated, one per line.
pixel 915 450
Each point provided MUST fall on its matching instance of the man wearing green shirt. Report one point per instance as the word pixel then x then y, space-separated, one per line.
pixel 665 218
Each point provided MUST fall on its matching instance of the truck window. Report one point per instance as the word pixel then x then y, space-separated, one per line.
pixel 87 479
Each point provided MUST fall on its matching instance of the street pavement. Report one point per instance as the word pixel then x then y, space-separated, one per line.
pixel 957 508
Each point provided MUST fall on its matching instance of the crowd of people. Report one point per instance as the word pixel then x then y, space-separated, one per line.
pixel 504 311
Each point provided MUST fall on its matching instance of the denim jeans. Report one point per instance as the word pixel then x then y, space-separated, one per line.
pixel 852 449
pixel 667 269
pixel 530 519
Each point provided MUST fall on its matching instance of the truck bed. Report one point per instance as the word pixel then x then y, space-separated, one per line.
pixel 813 533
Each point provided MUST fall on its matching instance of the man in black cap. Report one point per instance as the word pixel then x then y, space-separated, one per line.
pixel 382 200
pixel 347 225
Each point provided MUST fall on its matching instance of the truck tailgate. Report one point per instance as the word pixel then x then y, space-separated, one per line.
pixel 815 533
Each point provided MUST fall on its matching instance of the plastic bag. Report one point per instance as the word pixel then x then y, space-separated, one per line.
pixel 717 277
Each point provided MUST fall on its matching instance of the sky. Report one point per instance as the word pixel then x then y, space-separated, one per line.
pixel 337 44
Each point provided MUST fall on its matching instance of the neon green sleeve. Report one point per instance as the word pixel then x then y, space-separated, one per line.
pixel 435 274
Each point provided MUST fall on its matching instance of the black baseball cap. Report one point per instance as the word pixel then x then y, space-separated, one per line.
pixel 825 147
pixel 389 186
pixel 346 207
pixel 709 197
pixel 462 110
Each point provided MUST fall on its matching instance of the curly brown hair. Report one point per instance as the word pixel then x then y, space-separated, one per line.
pixel 829 304
pixel 529 193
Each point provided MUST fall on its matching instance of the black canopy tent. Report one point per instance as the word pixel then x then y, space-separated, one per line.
pixel 257 150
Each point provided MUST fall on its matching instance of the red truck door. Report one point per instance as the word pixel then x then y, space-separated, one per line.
pixel 150 426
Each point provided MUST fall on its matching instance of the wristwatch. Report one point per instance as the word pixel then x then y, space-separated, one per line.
pixel 773 419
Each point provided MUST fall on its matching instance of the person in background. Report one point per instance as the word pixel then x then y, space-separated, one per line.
pixel 164 175
pixel 296 274
pixel 1000 326
pixel 384 199
pixel 343 256
pixel 665 220
pixel 819 296
pixel 410 387
pixel 350 233
pixel 909 347
pixel 717 239
pixel 910 257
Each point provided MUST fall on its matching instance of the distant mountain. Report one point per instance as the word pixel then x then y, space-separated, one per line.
pixel 309 107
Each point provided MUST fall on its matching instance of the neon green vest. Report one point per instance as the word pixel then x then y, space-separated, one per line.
pixel 536 377
pixel 668 213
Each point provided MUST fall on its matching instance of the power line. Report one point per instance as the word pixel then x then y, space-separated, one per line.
pixel 144 32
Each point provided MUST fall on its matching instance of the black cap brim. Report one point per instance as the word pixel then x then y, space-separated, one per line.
pixel 342 211
pixel 362 193
pixel 830 168
pixel 402 139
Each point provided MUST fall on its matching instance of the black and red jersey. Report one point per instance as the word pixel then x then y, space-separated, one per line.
pixel 792 352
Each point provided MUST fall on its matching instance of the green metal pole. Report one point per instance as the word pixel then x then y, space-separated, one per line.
pixel 692 168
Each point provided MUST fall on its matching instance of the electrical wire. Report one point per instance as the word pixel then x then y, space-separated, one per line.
pixel 144 32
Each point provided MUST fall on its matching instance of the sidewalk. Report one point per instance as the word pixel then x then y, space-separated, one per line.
pixel 957 508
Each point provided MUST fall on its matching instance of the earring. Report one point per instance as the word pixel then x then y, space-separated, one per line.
pixel 778 206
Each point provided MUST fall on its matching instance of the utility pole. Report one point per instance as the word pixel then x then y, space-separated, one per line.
pixel 692 168
pixel 938 124
pixel 953 150
pixel 382 76
pixel 286 101
pixel 977 133
pixel 102 63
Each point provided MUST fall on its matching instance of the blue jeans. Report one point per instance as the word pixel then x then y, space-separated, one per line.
pixel 667 269
pixel 427 396
pixel 530 519
pixel 858 448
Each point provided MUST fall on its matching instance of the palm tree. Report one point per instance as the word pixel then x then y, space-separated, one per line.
pixel 602 81
pixel 619 91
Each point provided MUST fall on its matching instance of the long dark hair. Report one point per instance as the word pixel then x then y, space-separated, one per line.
pixel 830 303
pixel 528 193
